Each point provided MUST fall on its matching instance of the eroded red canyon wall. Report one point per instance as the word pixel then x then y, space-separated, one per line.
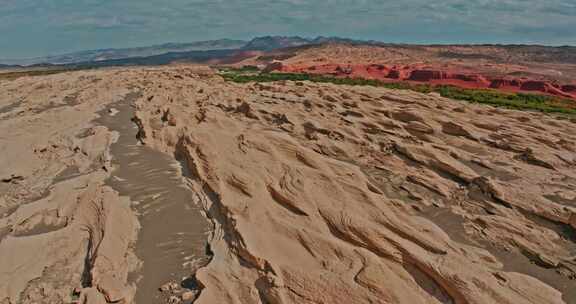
pixel 435 76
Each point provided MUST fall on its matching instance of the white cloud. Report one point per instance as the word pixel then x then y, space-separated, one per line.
pixel 107 23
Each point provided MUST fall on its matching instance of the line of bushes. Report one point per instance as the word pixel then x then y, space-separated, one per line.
pixel 520 101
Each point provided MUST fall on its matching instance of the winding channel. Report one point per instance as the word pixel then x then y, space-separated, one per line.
pixel 172 239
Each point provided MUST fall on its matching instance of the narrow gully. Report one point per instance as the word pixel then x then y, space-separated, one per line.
pixel 173 235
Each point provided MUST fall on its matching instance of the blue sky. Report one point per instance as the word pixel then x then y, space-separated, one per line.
pixel 30 28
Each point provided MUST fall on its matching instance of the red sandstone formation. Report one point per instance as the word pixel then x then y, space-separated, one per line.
pixel 398 73
pixel 504 83
pixel 427 75
pixel 433 76
pixel 569 88
pixel 545 87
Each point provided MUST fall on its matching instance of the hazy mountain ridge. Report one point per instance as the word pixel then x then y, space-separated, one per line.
pixel 202 51
pixel 264 43
pixel 268 43
pixel 124 53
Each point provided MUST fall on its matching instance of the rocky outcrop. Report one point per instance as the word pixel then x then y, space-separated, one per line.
pixel 505 83
pixel 470 78
pixel 433 76
pixel 397 73
pixel 544 87
pixel 274 66
pixel 569 88
pixel 427 75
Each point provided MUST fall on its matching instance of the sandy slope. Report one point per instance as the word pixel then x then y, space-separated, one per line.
pixel 318 193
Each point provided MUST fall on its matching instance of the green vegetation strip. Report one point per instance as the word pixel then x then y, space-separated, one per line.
pixel 519 101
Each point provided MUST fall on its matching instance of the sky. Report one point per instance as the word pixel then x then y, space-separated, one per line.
pixel 33 28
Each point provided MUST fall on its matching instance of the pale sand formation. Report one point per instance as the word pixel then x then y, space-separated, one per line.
pixel 318 193
pixel 61 227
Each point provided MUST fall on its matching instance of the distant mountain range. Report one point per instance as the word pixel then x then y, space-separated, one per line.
pixel 269 43
pixel 123 53
pixel 231 51
pixel 168 51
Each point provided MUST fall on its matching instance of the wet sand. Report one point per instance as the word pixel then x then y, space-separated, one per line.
pixel 173 231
